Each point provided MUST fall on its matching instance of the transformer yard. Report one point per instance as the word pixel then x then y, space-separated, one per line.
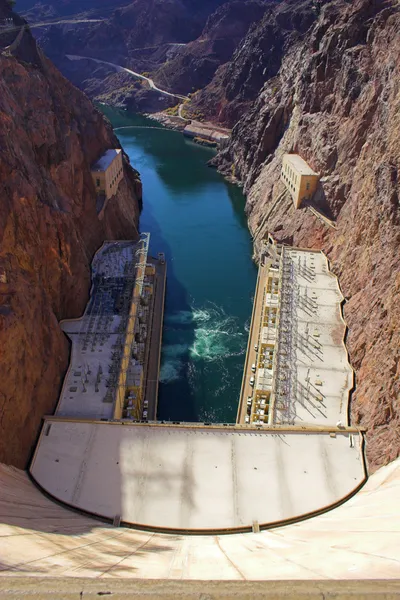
pixel 116 344
pixel 296 369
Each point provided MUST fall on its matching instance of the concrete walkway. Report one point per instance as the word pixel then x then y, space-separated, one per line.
pixel 153 363
pixel 251 354
pixel 77 588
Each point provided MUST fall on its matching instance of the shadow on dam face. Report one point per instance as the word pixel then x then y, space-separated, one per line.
pixel 40 536
pixel 353 542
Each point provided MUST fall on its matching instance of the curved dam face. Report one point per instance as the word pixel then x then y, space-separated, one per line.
pixel 187 478
pixel 358 540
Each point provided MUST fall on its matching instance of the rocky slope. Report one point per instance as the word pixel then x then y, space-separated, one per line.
pixel 257 58
pixel 141 35
pixel 135 25
pixel 120 89
pixel 223 49
pixel 196 63
pixel 182 43
pixel 336 101
pixel 50 134
pixel 240 47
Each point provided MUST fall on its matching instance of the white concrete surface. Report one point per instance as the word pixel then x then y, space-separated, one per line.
pixel 84 401
pixel 299 164
pixel 106 159
pixel 358 540
pixel 196 129
pixel 310 376
pixel 186 478
pixel 316 372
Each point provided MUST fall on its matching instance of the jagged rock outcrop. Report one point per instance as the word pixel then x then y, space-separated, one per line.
pixel 226 49
pixel 336 101
pixel 50 134
pixel 124 91
pixel 196 64
pixel 256 59
pixel 227 63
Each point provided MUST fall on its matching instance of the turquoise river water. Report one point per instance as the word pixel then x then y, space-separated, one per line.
pixel 197 219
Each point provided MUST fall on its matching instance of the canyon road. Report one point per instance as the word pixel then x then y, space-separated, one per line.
pixel 120 69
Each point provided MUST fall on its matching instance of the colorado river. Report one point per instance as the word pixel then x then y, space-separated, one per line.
pixel 197 219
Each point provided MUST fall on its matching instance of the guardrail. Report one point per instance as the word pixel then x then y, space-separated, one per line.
pixel 306 428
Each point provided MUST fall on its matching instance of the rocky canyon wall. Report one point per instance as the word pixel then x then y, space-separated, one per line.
pixel 336 102
pixel 50 134
pixel 257 56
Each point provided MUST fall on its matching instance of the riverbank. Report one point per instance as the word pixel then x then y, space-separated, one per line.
pixel 205 134
pixel 140 94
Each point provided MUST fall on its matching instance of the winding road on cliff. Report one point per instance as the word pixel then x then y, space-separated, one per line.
pixel 120 69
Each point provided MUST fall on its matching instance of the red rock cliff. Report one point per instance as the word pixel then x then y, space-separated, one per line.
pixel 50 134
pixel 336 101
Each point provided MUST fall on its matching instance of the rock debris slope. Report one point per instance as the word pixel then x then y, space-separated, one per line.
pixel 50 134
pixel 336 101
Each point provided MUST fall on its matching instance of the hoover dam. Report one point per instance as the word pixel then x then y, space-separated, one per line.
pixel 293 455
pixel 116 493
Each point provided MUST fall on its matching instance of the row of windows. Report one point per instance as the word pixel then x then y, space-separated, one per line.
pixel 115 178
pixel 116 173
pixel 113 181
pixel 288 183
pixel 291 174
